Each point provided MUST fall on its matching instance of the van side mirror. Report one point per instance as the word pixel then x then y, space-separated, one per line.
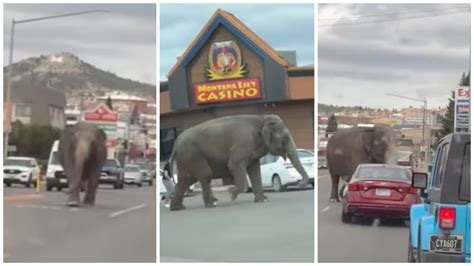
pixel 419 180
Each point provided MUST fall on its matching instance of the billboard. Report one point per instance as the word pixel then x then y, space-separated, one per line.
pixel 462 109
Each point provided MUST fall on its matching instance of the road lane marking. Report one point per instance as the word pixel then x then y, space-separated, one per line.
pixel 21 198
pixel 117 213
pixel 326 209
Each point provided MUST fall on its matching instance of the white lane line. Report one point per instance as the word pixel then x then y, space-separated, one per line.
pixel 115 214
pixel 326 209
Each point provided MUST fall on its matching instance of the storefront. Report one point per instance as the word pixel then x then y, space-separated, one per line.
pixel 229 70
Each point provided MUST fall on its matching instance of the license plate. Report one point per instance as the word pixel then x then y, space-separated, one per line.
pixel 446 243
pixel 382 192
pixel 63 181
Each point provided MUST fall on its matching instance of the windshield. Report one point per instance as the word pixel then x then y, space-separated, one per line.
pixel 131 168
pixel 465 189
pixel 110 163
pixel 305 154
pixel 383 173
pixel 54 158
pixel 19 162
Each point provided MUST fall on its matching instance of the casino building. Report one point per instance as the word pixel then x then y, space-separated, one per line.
pixel 229 70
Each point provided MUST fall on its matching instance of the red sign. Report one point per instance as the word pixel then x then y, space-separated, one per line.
pixel 101 113
pixel 228 90
pixel 111 143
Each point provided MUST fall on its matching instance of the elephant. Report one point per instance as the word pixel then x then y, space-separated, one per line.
pixel 230 146
pixel 82 153
pixel 348 148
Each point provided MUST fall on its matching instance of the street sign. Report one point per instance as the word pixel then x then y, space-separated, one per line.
pixel 462 109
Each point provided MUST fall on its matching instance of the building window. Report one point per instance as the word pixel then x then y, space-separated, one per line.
pixel 22 110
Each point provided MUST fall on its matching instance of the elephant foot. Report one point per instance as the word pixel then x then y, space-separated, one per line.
pixel 234 192
pixel 334 200
pixel 262 198
pixel 211 204
pixel 177 207
pixel 73 203
pixel 303 182
pixel 88 203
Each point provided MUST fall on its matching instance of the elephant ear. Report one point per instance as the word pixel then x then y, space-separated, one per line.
pixel 267 131
pixel 367 140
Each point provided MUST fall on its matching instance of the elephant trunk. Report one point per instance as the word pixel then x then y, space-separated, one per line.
pixel 295 160
pixel 80 154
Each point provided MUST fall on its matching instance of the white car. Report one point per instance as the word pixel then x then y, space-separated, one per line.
pixel 133 175
pixel 20 170
pixel 279 174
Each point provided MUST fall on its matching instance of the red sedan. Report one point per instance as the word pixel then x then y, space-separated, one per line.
pixel 379 191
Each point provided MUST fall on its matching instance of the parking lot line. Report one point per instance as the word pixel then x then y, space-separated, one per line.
pixel 22 198
pixel 117 213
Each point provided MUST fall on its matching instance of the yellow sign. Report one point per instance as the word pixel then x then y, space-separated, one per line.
pixel 225 61
pixel 228 90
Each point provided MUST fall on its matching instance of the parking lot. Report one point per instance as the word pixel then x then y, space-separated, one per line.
pixel 40 228
pixel 280 230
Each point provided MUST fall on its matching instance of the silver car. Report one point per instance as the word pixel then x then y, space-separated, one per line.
pixel 133 175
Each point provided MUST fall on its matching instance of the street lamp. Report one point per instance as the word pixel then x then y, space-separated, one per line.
pixel 10 61
pixel 425 106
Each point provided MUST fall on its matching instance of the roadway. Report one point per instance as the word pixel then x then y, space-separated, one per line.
pixel 41 228
pixel 362 241
pixel 280 230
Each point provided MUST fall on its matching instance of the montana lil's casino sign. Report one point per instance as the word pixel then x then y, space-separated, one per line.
pixel 226 74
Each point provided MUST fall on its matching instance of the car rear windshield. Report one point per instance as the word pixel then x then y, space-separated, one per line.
pixel 110 163
pixel 132 169
pixel 18 162
pixel 465 186
pixel 383 173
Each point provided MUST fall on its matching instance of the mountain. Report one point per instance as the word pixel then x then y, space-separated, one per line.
pixel 65 71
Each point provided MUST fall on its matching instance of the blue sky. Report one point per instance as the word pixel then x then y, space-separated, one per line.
pixel 275 23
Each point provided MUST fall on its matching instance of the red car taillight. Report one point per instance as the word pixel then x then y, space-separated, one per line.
pixel 447 218
pixel 413 190
pixel 353 187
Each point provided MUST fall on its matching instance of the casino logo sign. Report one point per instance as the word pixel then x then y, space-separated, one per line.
pixel 225 61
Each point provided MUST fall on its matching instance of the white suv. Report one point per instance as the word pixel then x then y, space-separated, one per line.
pixel 20 170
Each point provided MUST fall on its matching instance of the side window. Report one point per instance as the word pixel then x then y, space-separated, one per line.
pixel 465 185
pixel 440 165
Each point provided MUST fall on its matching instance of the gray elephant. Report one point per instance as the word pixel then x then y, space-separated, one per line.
pixel 230 147
pixel 348 148
pixel 82 153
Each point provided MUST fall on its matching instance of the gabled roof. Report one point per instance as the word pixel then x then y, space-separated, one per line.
pixel 232 23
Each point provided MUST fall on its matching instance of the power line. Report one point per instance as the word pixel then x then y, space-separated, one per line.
pixel 367 20
pixel 391 14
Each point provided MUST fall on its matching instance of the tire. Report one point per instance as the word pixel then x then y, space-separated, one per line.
pixel 346 217
pixel 411 257
pixel 150 183
pixel 49 188
pixel 9 184
pixel 116 185
pixel 59 188
pixel 139 184
pixel 276 184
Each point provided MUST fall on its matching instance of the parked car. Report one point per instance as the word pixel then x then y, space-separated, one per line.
pixel 20 170
pixel 379 191
pixel 112 173
pixel 280 174
pixel 55 177
pixel 145 169
pixel 440 227
pixel 133 175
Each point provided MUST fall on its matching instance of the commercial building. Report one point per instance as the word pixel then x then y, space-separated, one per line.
pixel 229 70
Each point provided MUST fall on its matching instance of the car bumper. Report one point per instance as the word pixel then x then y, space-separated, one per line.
pixel 55 182
pixel 378 210
pixel 132 181
pixel 16 179
pixel 429 256
pixel 108 180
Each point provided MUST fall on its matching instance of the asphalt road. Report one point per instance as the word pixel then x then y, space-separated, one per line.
pixel 280 230
pixel 120 228
pixel 361 241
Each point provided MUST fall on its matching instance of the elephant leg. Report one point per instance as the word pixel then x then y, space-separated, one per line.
pixel 74 199
pixel 209 199
pixel 178 196
pixel 334 187
pixel 240 178
pixel 256 180
pixel 91 190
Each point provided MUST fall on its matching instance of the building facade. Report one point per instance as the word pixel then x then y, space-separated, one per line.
pixel 229 70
